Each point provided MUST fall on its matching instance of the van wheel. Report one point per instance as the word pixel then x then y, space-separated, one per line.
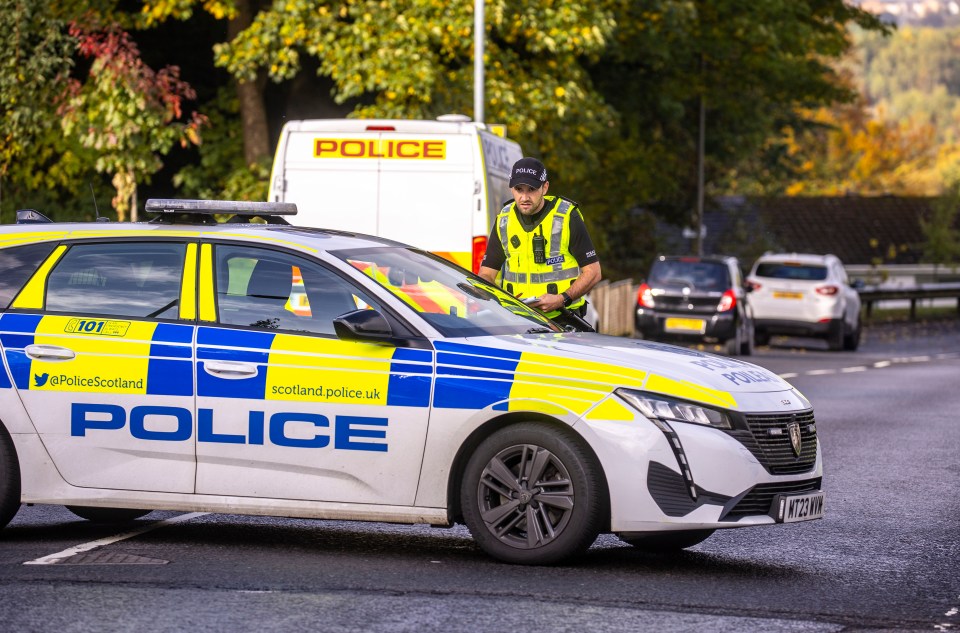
pixel 533 494
pixel 107 515
pixel 665 542
pixel 9 478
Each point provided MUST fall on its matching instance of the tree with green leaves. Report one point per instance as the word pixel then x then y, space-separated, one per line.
pixel 36 61
pixel 118 117
pixel 942 229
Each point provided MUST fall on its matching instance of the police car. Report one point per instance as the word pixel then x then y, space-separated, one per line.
pixel 253 367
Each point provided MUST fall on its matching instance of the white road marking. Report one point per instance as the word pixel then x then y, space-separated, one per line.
pixel 880 364
pixel 53 559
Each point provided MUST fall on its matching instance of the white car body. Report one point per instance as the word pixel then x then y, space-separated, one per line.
pixel 805 295
pixel 190 412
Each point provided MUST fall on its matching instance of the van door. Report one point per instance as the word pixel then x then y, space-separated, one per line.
pixel 332 177
pixel 428 192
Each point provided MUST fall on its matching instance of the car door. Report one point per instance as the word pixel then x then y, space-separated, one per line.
pixel 286 409
pixel 99 345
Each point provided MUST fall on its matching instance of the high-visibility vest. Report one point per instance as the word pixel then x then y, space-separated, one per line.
pixel 521 274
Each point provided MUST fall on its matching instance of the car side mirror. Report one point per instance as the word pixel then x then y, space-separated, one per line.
pixel 362 325
pixel 747 287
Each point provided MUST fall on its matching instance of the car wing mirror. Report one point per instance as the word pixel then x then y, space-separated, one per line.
pixel 362 325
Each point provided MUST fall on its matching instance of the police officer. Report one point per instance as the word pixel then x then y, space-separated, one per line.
pixel 542 246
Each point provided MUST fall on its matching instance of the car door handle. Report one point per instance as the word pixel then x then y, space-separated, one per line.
pixel 230 369
pixel 49 352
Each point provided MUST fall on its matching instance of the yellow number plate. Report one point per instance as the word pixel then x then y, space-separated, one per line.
pixel 674 324
pixel 788 295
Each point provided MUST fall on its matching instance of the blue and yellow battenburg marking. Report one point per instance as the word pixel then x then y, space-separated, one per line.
pixel 112 355
pixel 137 357
pixel 314 369
pixel 476 377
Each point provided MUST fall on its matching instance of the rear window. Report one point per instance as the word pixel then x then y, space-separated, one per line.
pixel 789 270
pixel 698 275
pixel 18 264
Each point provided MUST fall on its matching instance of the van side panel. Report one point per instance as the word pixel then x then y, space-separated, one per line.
pixel 499 155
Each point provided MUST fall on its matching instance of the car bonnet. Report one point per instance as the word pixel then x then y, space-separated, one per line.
pixel 638 364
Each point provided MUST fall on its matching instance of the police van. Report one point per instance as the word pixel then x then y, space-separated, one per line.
pixel 437 185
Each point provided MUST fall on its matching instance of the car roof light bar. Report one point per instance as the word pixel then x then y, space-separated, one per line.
pixel 211 207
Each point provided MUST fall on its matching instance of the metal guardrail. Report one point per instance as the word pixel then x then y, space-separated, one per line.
pixel 615 302
pixel 870 295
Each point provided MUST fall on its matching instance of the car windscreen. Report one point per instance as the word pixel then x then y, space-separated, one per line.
pixel 697 275
pixel 454 301
pixel 791 270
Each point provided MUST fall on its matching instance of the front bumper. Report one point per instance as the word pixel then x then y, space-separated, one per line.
pixel 648 491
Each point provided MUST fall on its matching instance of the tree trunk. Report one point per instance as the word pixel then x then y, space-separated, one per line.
pixel 253 110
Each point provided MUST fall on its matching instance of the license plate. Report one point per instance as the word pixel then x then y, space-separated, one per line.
pixel 788 295
pixel 793 508
pixel 674 324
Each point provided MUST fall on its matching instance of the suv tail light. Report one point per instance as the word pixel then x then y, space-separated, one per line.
pixel 827 290
pixel 727 301
pixel 479 250
pixel 645 296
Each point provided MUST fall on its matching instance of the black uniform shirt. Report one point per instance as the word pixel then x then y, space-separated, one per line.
pixel 581 246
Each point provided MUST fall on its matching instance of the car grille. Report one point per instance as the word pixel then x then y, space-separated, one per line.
pixel 769 441
pixel 760 497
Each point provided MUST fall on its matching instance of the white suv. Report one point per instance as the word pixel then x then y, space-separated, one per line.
pixel 804 295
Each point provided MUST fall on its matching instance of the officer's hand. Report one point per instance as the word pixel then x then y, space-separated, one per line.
pixel 549 303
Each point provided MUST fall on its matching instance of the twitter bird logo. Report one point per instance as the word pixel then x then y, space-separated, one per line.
pixel 40 379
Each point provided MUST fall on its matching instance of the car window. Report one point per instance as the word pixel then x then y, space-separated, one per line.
pixel 698 275
pixel 268 289
pixel 454 301
pixel 18 264
pixel 125 279
pixel 791 270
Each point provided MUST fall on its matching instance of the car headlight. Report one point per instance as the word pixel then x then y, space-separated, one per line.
pixel 660 408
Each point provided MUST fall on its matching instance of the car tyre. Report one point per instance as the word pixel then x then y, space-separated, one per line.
pixel 760 338
pixel 733 344
pixel 837 335
pixel 746 345
pixel 852 340
pixel 666 542
pixel 107 515
pixel 9 479
pixel 533 494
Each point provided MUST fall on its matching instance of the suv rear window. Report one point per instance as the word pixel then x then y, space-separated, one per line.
pixel 699 275
pixel 787 270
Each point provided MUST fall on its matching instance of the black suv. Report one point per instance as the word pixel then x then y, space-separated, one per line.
pixel 695 299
